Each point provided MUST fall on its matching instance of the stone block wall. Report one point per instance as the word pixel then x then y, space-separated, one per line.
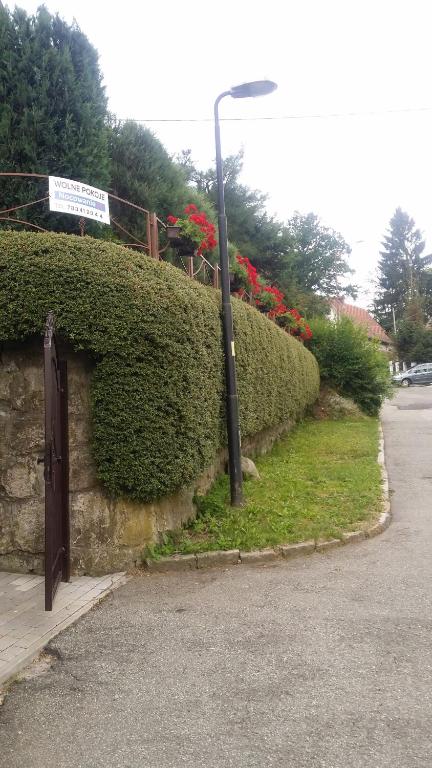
pixel 22 493
pixel 106 534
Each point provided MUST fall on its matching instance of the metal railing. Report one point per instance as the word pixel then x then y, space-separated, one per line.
pixel 195 266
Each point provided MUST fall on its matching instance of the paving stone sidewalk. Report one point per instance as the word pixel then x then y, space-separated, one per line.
pixel 25 627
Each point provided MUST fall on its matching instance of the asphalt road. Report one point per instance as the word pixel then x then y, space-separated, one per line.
pixel 320 663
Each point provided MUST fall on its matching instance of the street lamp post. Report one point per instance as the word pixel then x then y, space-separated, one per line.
pixel 245 90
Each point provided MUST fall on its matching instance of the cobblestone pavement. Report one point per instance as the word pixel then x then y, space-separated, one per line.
pixel 321 662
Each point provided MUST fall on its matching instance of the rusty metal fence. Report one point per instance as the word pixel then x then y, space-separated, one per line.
pixel 155 243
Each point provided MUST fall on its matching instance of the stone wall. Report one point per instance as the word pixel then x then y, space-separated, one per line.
pixel 106 534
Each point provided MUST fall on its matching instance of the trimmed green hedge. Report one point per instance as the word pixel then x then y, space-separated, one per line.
pixel 155 338
pixel 277 377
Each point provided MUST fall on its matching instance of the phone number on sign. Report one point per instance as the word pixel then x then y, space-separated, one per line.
pixel 85 211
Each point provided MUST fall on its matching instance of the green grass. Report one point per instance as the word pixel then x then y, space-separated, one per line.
pixel 319 481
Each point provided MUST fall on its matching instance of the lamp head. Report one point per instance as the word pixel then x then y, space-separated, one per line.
pixel 251 90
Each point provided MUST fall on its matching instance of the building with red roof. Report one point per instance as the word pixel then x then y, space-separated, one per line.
pixel 359 316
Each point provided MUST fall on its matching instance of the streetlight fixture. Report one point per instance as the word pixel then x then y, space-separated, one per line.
pixel 243 91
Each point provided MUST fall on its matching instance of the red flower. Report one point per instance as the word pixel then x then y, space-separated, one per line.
pixel 201 227
pixel 252 274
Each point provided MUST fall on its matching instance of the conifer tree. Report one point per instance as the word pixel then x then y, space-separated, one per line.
pixel 52 108
pixel 402 270
pixel 143 173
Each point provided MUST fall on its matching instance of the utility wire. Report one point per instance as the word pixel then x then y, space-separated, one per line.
pixel 323 116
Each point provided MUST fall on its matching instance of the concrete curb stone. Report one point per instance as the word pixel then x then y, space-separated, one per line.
pixel 323 545
pixel 294 550
pixel 172 563
pixel 218 557
pixel 383 523
pixel 353 536
pixel 259 556
pixel 384 519
pixel 283 551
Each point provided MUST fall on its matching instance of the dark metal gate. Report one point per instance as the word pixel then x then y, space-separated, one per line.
pixel 57 559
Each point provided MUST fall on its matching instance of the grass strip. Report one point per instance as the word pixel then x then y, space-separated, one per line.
pixel 319 481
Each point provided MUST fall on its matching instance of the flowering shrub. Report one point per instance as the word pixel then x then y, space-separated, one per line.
pixel 289 320
pixel 267 298
pixel 195 226
pixel 246 271
pixel 272 299
pixel 295 324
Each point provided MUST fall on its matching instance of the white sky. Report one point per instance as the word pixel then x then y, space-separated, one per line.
pixel 160 60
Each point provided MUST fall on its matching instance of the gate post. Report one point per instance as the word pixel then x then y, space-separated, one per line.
pixel 64 421
pixel 56 467
pixel 154 237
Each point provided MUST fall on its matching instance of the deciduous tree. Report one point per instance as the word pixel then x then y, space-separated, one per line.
pixel 316 260
pixel 305 258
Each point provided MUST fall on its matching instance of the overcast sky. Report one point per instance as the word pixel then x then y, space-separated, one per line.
pixel 169 60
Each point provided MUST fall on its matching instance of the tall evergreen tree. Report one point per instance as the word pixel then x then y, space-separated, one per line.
pixel 52 108
pixel 143 173
pixel 402 270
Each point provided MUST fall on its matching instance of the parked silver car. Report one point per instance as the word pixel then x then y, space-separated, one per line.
pixel 418 374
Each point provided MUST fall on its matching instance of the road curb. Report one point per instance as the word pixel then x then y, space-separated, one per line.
pixel 218 558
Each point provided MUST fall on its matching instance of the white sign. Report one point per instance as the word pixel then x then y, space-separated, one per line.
pixel 67 196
